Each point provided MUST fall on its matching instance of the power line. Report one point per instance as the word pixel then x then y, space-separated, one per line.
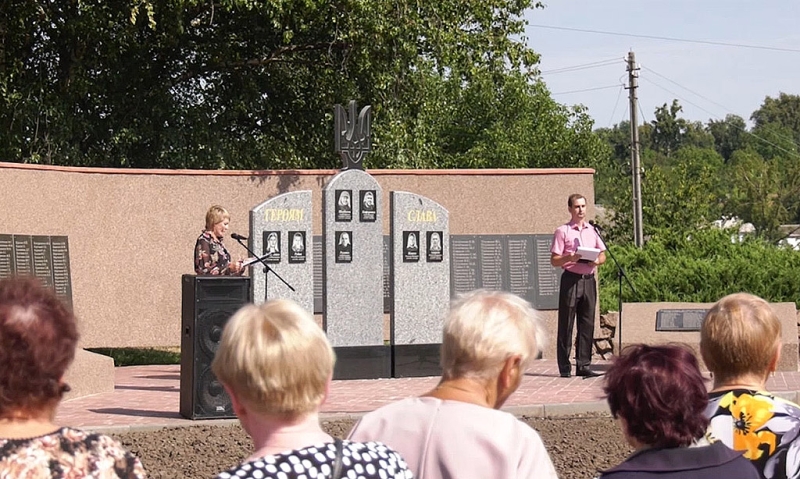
pixel 585 89
pixel 724 108
pixel 585 66
pixel 616 103
pixel 764 140
pixel 687 89
pixel 671 39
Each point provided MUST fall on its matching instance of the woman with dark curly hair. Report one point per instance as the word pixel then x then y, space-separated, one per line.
pixel 658 395
pixel 37 343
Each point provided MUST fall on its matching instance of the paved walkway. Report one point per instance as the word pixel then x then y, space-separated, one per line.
pixel 147 397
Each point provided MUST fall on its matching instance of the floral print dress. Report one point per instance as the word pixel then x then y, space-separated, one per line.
pixel 211 256
pixel 67 453
pixel 764 427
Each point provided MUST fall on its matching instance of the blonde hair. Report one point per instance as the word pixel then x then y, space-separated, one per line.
pixel 740 335
pixel 483 329
pixel 275 358
pixel 216 214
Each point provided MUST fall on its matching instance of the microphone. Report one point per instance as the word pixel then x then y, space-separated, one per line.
pixel 238 237
pixel 595 225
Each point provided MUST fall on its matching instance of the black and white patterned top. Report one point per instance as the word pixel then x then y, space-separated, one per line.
pixel 360 460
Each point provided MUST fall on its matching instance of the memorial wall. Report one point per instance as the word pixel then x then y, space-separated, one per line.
pixel 132 233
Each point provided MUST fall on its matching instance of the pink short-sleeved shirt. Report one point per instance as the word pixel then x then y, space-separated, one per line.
pixel 568 237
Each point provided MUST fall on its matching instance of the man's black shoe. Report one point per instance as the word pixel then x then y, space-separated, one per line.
pixel 566 374
pixel 587 373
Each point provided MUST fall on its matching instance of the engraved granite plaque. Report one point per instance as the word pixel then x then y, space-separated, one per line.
pixel 520 266
pixel 344 207
pixel 463 264
pixel 316 252
pixel 546 276
pixel 42 260
pixel 680 319
pixel 387 271
pixel 410 246
pixel 492 260
pixel 433 250
pixel 23 255
pixel 272 247
pixel 6 256
pixel 367 206
pixel 344 246
pixel 43 257
pixel 297 252
pixel 62 277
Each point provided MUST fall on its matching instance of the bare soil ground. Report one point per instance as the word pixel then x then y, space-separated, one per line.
pixel 580 446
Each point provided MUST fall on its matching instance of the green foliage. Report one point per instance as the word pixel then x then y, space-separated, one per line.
pixel 140 356
pixel 693 175
pixel 244 84
pixel 701 267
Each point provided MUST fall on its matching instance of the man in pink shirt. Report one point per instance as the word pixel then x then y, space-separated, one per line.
pixel 578 293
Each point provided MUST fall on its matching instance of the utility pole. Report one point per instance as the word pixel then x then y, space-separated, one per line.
pixel 633 75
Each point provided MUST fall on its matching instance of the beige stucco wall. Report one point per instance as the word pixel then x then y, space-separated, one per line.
pixel 639 326
pixel 132 232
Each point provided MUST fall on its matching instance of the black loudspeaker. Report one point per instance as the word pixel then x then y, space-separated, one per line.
pixel 207 304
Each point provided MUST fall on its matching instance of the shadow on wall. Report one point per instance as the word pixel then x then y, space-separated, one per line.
pixel 287 179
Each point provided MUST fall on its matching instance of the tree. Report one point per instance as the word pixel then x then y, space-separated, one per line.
pixel 783 111
pixel 244 84
pixel 765 192
pixel 729 135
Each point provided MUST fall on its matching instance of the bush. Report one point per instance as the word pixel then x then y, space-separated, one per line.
pixel 701 267
pixel 140 356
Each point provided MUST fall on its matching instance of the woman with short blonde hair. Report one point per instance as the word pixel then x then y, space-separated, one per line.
pixel 740 342
pixel 276 364
pixel 210 255
pixel 456 429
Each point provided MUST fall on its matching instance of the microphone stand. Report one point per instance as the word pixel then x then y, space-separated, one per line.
pixel 620 274
pixel 267 268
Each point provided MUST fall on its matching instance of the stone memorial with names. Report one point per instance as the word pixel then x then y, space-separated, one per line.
pixel 519 264
pixel 353 279
pixel 420 282
pixel 279 230
pixel 43 257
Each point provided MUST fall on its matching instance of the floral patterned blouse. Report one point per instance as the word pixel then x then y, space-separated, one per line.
pixel 210 256
pixel 68 453
pixel 765 427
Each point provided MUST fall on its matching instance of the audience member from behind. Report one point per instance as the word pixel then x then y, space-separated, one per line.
pixel 37 343
pixel 276 364
pixel 658 395
pixel 210 255
pixel 740 342
pixel 456 429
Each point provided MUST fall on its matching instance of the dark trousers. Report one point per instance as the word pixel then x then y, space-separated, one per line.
pixel 577 297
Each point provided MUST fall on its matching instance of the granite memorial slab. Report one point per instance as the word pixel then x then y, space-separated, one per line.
pixel 280 231
pixel 353 276
pixel 420 282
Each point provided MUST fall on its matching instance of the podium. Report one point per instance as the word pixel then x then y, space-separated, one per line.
pixel 207 304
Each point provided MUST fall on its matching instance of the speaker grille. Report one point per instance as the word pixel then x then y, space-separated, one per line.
pixel 208 303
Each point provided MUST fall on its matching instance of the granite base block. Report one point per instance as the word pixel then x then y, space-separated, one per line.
pixel 363 362
pixel 417 360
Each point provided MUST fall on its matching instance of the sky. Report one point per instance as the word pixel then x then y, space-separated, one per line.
pixel 709 81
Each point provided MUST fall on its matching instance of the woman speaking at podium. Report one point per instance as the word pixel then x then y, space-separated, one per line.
pixel 210 255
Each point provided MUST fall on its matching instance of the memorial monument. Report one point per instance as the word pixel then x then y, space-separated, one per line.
pixel 420 255
pixel 280 232
pixel 352 231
